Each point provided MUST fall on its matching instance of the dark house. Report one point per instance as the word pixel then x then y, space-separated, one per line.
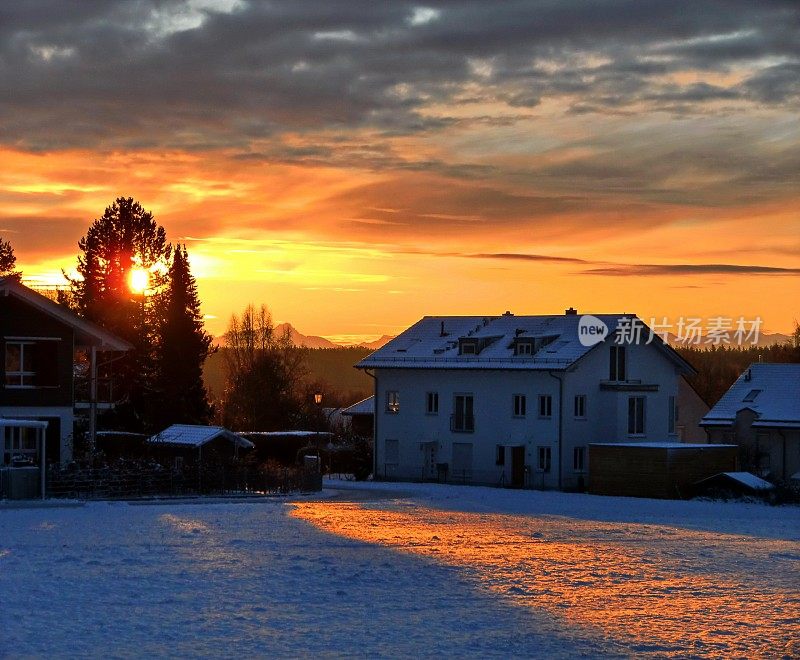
pixel 45 347
pixel 761 414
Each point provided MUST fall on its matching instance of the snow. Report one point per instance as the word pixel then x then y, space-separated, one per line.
pixel 363 407
pixel 391 570
pixel 749 480
pixel 659 445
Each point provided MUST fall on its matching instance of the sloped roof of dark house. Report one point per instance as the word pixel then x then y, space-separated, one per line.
pixel 86 332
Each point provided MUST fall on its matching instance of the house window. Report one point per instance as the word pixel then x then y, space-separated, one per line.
pixel 393 401
pixel 432 403
pixel 545 405
pixel 524 348
pixel 617 364
pixel 520 405
pixel 463 420
pixel 500 455
pixel 579 459
pixel 31 363
pixel 19 445
pixel 636 406
pixel 544 459
pixel 672 412
pixel 20 369
pixel 580 406
pixel 469 348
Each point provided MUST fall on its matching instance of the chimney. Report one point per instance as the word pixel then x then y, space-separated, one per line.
pixel 571 311
pixel 442 333
pixel 507 313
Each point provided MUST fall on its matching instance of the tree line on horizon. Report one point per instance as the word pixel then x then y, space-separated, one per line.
pixel 267 384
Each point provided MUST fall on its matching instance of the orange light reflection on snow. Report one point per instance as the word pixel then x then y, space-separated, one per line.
pixel 667 590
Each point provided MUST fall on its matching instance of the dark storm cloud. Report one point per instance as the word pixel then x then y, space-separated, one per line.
pixel 145 73
pixel 688 269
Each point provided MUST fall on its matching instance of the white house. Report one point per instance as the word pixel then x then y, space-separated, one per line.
pixel 516 400
pixel 761 413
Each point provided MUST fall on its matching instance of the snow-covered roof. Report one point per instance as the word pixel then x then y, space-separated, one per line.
pixel 660 445
pixel 433 343
pixel 363 407
pixel 187 435
pixel 771 391
pixel 749 480
pixel 285 434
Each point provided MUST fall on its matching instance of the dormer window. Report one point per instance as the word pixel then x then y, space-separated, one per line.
pixel 524 348
pixel 469 348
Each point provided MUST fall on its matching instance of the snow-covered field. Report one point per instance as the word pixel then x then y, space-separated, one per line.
pixel 402 570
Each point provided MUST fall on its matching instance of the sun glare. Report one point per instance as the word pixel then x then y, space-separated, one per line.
pixel 138 280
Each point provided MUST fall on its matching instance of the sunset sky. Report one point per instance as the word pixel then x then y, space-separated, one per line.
pixel 358 165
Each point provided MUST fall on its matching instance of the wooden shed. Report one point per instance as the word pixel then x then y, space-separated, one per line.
pixel 665 470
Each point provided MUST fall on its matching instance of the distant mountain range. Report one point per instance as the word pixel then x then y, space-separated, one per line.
pixel 314 341
pixel 764 339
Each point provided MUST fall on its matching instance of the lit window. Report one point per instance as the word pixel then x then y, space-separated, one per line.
pixel 520 405
pixel 393 401
pixel 580 406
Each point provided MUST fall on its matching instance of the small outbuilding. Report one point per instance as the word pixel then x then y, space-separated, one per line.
pixel 190 443
pixel 732 484
pixel 362 416
pixel 666 470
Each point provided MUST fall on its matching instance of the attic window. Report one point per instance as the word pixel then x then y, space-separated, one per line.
pixel 524 348
pixel 469 348
pixel 751 395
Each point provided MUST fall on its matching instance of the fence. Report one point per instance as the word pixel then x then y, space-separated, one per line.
pixel 136 479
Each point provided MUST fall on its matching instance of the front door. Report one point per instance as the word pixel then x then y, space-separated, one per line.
pixel 517 467
pixel 429 460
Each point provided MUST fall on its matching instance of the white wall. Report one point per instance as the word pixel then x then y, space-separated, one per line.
pixel 606 415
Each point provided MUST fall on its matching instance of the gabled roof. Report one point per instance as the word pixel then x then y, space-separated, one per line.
pixel 86 332
pixel 433 342
pixel 188 435
pixel 771 391
pixel 363 407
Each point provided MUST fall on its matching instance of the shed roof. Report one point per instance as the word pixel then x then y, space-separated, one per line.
pixel 433 343
pixel 188 435
pixel 771 391
pixel 363 407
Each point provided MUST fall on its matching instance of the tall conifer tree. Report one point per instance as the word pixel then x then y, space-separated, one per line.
pixel 183 348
